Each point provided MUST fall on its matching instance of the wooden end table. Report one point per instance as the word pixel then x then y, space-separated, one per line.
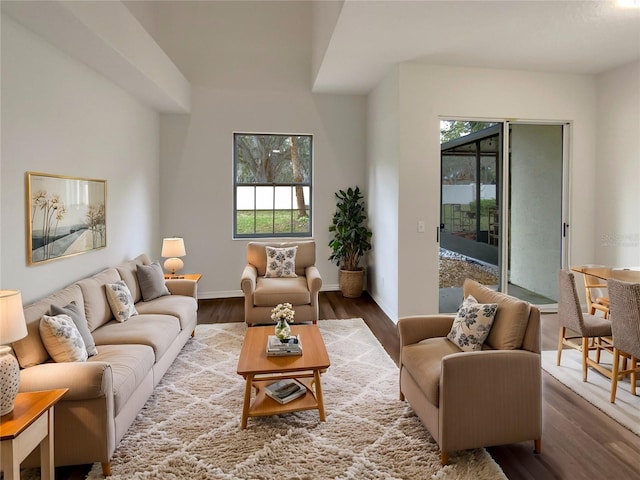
pixel 184 276
pixel 260 370
pixel 29 424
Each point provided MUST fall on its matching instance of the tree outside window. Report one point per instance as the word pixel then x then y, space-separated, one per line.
pixel 272 175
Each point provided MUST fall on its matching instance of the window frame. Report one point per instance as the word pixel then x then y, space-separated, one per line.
pixel 308 185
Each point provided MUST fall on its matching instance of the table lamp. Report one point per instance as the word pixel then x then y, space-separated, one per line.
pixel 12 328
pixel 174 248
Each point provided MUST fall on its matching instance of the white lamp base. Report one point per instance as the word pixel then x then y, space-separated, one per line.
pixel 172 265
pixel 9 380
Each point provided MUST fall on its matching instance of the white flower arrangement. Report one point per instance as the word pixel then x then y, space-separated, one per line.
pixel 283 311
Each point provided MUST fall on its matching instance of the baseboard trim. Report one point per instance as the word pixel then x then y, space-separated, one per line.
pixel 238 293
pixel 392 315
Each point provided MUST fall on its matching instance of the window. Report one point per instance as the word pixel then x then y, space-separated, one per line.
pixel 272 185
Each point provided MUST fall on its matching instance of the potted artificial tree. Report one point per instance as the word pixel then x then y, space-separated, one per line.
pixel 350 240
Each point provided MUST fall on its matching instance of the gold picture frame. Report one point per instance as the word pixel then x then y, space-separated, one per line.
pixel 66 216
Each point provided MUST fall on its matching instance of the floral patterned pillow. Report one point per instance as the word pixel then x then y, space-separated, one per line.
pixel 472 324
pixel 76 314
pixel 62 339
pixel 120 300
pixel 281 262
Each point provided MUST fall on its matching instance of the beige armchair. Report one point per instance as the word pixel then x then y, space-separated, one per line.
pixel 472 399
pixel 262 293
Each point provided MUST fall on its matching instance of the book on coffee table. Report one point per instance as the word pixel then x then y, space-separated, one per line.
pixel 276 347
pixel 286 390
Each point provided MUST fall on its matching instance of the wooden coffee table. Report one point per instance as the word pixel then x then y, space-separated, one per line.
pixel 259 370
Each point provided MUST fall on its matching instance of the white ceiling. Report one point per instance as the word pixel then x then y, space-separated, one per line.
pixel 580 37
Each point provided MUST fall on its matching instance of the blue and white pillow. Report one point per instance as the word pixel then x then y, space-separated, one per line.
pixel 120 300
pixel 472 324
pixel 76 313
pixel 281 262
pixel 62 339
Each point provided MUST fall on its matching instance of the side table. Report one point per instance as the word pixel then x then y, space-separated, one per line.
pixel 186 276
pixel 29 424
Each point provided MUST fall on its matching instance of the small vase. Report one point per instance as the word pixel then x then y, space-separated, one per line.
pixel 283 330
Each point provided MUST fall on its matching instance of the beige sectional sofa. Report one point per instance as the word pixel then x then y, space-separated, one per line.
pixel 106 391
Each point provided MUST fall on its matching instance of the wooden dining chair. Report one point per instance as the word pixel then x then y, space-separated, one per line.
pixel 585 325
pixel 625 326
pixel 596 294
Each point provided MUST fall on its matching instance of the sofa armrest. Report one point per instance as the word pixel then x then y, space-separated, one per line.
pixel 415 328
pixel 314 280
pixel 85 380
pixel 249 279
pixel 182 286
pixel 478 388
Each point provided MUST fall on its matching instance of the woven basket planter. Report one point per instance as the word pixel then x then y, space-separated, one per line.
pixel 351 282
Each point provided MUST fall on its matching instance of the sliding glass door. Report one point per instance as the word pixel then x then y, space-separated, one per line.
pixel 501 215
pixel 535 198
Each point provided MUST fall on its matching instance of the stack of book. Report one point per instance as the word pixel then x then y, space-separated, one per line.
pixel 286 390
pixel 277 347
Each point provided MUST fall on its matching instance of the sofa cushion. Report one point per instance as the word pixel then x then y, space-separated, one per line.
pixel 511 320
pixel 120 300
pixel 30 350
pixel 472 324
pixel 96 306
pixel 151 281
pixel 76 313
pixel 181 306
pixel 272 291
pixel 423 361
pixel 130 364
pixel 62 339
pixel 281 262
pixel 156 331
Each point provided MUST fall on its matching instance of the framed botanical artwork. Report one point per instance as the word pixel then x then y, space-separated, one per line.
pixel 66 216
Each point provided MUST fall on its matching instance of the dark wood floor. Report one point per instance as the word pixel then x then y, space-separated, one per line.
pixel 578 442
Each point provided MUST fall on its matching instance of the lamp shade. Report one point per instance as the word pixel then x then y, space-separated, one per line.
pixel 12 324
pixel 12 328
pixel 173 247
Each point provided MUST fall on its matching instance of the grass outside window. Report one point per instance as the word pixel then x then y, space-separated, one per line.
pixel 265 222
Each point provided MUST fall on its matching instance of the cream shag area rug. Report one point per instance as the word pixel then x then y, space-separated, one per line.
pixel 597 388
pixel 190 427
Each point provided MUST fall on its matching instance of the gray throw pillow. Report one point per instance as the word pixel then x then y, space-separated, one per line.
pixel 151 280
pixel 77 315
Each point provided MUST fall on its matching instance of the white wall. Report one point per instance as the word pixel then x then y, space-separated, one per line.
pixel 244 85
pixel 60 117
pixel 617 188
pixel 428 93
pixel 197 166
pixel 383 152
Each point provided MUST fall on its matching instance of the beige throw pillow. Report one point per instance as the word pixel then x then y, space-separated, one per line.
pixel 62 339
pixel 120 300
pixel 512 317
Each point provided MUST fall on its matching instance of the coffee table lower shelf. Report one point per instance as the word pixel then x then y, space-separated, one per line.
pixel 263 405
